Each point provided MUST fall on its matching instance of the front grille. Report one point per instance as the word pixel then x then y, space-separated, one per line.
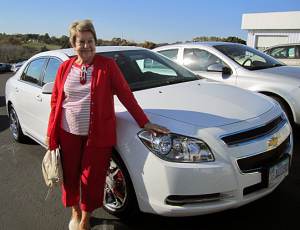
pixel 252 134
pixel 256 162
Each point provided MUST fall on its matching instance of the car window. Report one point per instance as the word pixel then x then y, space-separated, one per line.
pixel 199 59
pixel 248 57
pixel 33 71
pixel 51 71
pixel 171 53
pixel 283 52
pixel 145 69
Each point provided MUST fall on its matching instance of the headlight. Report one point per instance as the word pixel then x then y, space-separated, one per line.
pixel 174 147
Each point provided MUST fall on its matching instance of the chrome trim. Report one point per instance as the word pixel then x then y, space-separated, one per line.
pixel 284 121
pixel 257 170
pixel 35 139
pixel 197 200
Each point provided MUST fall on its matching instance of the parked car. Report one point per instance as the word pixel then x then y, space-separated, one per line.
pixel 2 67
pixel 228 146
pixel 286 53
pixel 244 67
pixel 17 66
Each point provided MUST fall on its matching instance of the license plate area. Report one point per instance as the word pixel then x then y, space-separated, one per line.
pixel 276 172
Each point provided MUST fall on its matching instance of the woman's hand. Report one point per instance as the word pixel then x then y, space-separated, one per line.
pixel 47 143
pixel 154 129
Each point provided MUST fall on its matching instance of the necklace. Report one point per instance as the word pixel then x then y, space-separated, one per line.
pixel 83 73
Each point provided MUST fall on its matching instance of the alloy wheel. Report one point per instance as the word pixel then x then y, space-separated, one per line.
pixel 14 123
pixel 115 193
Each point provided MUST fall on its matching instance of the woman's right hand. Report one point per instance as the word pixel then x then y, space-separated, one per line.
pixel 47 143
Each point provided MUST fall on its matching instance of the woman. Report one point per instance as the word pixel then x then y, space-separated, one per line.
pixel 83 123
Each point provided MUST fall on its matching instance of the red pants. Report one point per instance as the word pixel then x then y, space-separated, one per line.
pixel 83 166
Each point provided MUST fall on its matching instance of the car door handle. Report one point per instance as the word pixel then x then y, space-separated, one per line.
pixel 38 98
pixel 16 89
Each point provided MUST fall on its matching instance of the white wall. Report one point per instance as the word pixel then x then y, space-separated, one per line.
pixel 284 36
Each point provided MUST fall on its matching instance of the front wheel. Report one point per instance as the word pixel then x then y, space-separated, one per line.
pixel 119 195
pixel 15 126
pixel 285 107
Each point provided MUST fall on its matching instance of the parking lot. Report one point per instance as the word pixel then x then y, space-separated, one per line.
pixel 23 193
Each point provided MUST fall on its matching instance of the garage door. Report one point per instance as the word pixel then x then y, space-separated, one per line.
pixel 264 42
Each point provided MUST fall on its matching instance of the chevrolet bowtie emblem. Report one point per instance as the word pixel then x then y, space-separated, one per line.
pixel 273 142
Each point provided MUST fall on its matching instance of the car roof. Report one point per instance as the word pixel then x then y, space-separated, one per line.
pixel 286 44
pixel 208 44
pixel 99 49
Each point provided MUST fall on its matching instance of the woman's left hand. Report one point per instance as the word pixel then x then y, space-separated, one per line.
pixel 154 129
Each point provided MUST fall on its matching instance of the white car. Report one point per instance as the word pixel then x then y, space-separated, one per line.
pixel 228 146
pixel 244 67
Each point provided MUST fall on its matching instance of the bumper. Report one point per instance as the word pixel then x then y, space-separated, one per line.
pixel 188 189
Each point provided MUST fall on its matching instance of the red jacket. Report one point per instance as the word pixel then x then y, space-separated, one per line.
pixel 107 79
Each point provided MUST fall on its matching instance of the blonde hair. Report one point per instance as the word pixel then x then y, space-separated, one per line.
pixel 80 26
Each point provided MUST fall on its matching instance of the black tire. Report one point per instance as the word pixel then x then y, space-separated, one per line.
pixel 119 195
pixel 15 126
pixel 283 104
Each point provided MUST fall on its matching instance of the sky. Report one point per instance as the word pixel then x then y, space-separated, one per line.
pixel 158 21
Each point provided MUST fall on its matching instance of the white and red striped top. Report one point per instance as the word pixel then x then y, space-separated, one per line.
pixel 76 106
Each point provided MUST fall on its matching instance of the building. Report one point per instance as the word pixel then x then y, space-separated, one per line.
pixel 268 29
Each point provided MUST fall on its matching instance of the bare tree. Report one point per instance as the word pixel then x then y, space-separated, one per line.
pixel 10 53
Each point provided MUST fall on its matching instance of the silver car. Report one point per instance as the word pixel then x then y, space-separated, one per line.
pixel 244 67
pixel 289 54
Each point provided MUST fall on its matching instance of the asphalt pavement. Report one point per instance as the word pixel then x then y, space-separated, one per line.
pixel 23 192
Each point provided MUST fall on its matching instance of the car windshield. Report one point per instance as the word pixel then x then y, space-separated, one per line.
pixel 144 69
pixel 248 57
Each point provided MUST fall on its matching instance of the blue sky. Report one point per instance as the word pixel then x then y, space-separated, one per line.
pixel 137 20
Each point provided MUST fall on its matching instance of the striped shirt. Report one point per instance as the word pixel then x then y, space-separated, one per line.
pixel 76 106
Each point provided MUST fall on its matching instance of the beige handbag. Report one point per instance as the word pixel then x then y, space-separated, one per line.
pixel 52 168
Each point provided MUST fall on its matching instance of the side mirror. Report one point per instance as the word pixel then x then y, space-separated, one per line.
pixel 47 88
pixel 219 68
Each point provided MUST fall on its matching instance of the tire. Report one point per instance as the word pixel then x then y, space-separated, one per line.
pixel 15 126
pixel 285 108
pixel 119 195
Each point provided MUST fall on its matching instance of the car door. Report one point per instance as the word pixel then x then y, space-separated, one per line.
pixel 202 61
pixel 44 103
pixel 28 95
pixel 34 106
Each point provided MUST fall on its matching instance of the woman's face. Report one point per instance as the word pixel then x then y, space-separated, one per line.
pixel 85 46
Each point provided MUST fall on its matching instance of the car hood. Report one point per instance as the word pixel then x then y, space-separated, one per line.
pixel 203 104
pixel 287 71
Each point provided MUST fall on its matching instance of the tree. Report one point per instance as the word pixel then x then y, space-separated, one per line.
pixel 11 53
pixel 55 40
pixel 116 41
pixel 207 39
pixel 47 39
pixel 148 45
pixel 44 48
pixel 128 43
pixel 14 41
pixel 65 42
pixel 99 42
pixel 218 39
pixel 235 40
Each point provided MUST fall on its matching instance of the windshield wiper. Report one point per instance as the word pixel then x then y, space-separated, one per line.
pixel 264 66
pixel 276 65
pixel 180 81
